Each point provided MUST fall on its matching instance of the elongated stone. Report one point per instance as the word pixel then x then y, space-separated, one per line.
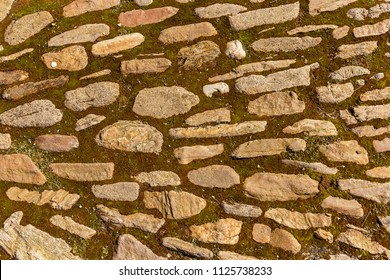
pixel 117 44
pixel 159 178
pixel 84 172
pixel 79 7
pixel 352 50
pixel 348 72
pixel 319 6
pixel 285 44
pixel 310 28
pixel 367 113
pixel 375 29
pixel 343 206
pixel 141 66
pixel 186 248
pixel 57 142
pixel 88 121
pixel 214 176
pixel 382 172
pixel 187 33
pixel 216 116
pixel 376 94
pixel 345 151
pixel 219 10
pixel 284 240
pixel 335 93
pixel 312 128
pixel 188 154
pixel 315 166
pixel 68 224
pixel 121 191
pixel 73 58
pixel 136 18
pixel 378 192
pixel 5 7
pixel 223 231
pixel 243 210
pixel 10 77
pixel 15 55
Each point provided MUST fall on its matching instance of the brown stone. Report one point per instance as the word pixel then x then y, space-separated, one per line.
pixel 117 44
pixel 73 58
pixel 186 248
pixel 188 32
pixel 261 233
pixel 84 172
pixel 129 248
pixel 214 176
pixel 136 18
pixel 188 154
pixel 11 77
pixel 57 142
pixel 141 66
pixel 79 7
pixel 284 240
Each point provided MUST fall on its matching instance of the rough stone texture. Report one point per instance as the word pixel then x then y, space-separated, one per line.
pixel 243 210
pixel 29 243
pixel 261 233
pixel 323 234
pixel 82 34
pixel 129 248
pixel 268 147
pixel 210 116
pixel 227 255
pixel 141 221
pixel 221 130
pixel 198 55
pixel 27 26
pixel 11 77
pixel 378 192
pixel 347 117
pixel 38 113
pixel 186 248
pixel 315 166
pixel 382 172
pixel 20 168
pixel 340 32
pixel 357 13
pixel 5 141
pixel 382 145
pixel 341 257
pixel 284 240
pixel 121 191
pixel 5 8
pixel 276 104
pixel 259 17
pixel 84 172
pixel 352 50
pixel 59 200
pixel 174 205
pixel 310 28
pixel 188 154
pixel 22 90
pixel 97 74
pixel 188 32
pixel 348 72
pixel 143 2
pixel 235 50
pixel 214 176
pixel 285 44
pixel 345 151
pixel 93 95
pixel 159 178
pixel 68 224
pixel 376 94
pixel 88 121
pixel 210 89
pixel 79 7
pixel 15 55
pixel 280 187
pixel 367 113
pixel 385 221
pixel 73 58
pixel 164 102
pixel 56 142
pixel 255 84
pixel 141 66
pixel 343 206
pixel 335 93
pixel 319 6
pixel 219 10
pixel 136 18
pixel 375 29
pixel 131 136
pixel 117 44
pixel 223 231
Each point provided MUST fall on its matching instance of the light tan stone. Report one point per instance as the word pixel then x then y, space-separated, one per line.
pixel 117 44
pixel 261 233
pixel 382 172
pixel 68 224
pixel 188 154
pixel 285 44
pixel 378 192
pixel 319 6
pixel 209 116
pixel 185 33
pixel 121 191
pixel 243 210
pixel 148 65
pixel 315 166
pixel 73 58
pixel 352 50
pixel 214 176
pixel 159 178
pixel 284 240
pixel 129 248
pixel 312 128
pixel 186 248
pixel 219 10
pixel 335 93
pixel 343 206
pixel 84 172
pixel 79 7
pixel 345 151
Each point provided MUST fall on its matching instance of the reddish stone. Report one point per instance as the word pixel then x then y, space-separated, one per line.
pixel 56 142
pixel 142 17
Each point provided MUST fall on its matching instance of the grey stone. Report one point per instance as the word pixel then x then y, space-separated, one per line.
pixel 243 210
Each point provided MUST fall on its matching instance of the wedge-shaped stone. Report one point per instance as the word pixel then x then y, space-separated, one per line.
pixel 347 117
pixel 97 74
pixel 243 210
pixel 381 146
pixel 227 255
pixel 199 55
pixel 129 248
pixel 214 176
pixel 223 231
pixel 367 113
pixel 375 29
pixel 284 240
pixel 315 166
pixel 340 32
pixel 268 147
pixel 159 178
pixel 164 102
pixel 84 172
pixel 255 84
pixel 174 205
pixel 57 142
pixel 343 206
pixel 20 168
pixel 378 192
pixel 259 17
pixel 297 220
pixel 186 248
pixel 280 187
pixel 261 233
pixel 219 10
pixel 185 33
pixel 68 224
pixel 122 191
pixel 382 172
pixel 15 55
pixel 73 58
pixel 385 221
pixel 11 77
pixel 209 116
pixel 312 128
pixel 376 94
pixel 117 44
pixel 310 28
pixel 345 151
pixel 335 93
pixel 136 18
pixel 130 136
pixel 79 7
pixel 29 243
pixel 148 65
pixel 323 234
pixel 352 50
pixel 348 72
pixel 5 8
pixel 188 154
pixel 88 121
pixel 285 44
pixel 319 6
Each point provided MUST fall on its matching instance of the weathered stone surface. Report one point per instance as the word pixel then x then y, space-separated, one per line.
pixel 188 154
pixel 367 113
pixel 235 50
pixel 68 224
pixel 312 128
pixel 73 58
pixel 340 32
pixel 357 13
pixel 5 8
pixel 141 66
pixel 198 55
pixel 60 200
pixel 347 117
pixel 276 104
pixel 22 90
pixel 93 95
pixel 122 191
pixel 174 205
pixel 382 172
pixel 186 248
pixel 385 221
pixel 378 192
pixel 27 26
pixel 352 50
pixel 375 29
pixel 223 231
pixel 79 7
pixel 131 136
pixel 84 172
pixel 243 210
pixel 129 248
pixel 30 243
pixel 141 221
pixel 259 17
pixel 136 18
pixel 38 113
pixel 188 32
pixel 310 28
pixel 159 178
pixel 341 257
pixel 209 116
pixel 214 176
pixel 343 206
pixel 117 44
pixel 11 77
pixel 143 2
pixel 227 255
pixel 376 94
pixel 345 151
pixel 334 93
pixel 382 145
pixel 82 34
pixel 348 72
pixel 261 233
pixel 323 234
pixel 285 44
pixel 15 55
pixel 281 80
pixel 88 121
pixel 284 240
pixel 297 220
pixel 57 142
pixel 164 102
pixel 210 89
pixel 5 141
pixel 319 6
pixel 268 147
pixel 315 166
pixel 219 10
pixel 97 74
pixel 280 187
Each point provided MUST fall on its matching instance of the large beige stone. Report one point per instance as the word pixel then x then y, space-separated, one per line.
pixel 334 93
pixel 285 44
pixel 198 55
pixel 159 178
pixel 121 191
pixel 375 29
pixel 343 206
pixel 73 58
pixel 382 172
pixel 378 192
pixel 214 176
pixel 352 50
pixel 186 248
pixel 284 240
pixel 79 7
pixel 5 8
pixel 367 113
pixel 117 44
pixel 209 116
pixel 68 224
pixel 84 172
pixel 219 10
pixel 187 33
pixel 319 6
pixel 376 94
pixel 261 233
pixel 129 248
pixel 148 65
pixel 136 18
pixel 345 151
pixel 188 154
pixel 57 142
pixel 312 128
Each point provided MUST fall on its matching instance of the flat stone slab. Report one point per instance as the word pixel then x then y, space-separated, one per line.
pixel 121 191
pixel 68 224
pixel 88 121
pixel 343 206
pixel 188 154
pixel 243 210
pixel 284 240
pixel 117 44
pixel 261 233
pixel 315 166
pixel 310 28
pixel 367 113
pixel 348 72
pixel 11 77
pixel 185 33
pixel 199 55
pixel 129 248
pixel 186 248
pixel 5 8
pixel 228 255
pixel 382 172
pixel 219 10
pixel 285 44
pixel 214 176
pixel 136 18
pixel 79 7
pixel 352 50
pixel 319 6
pixel 159 178
pixel 378 192
pixel 73 58
pixel 57 142
pixel 375 29
pixel 324 235
pixel 209 116
pixel 312 128
pixel 335 93
pixel 376 94
pixel 84 172
pixel 148 65
pixel 381 146
pixel 97 74
pixel 345 151
pixel 15 55
pixel 5 141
